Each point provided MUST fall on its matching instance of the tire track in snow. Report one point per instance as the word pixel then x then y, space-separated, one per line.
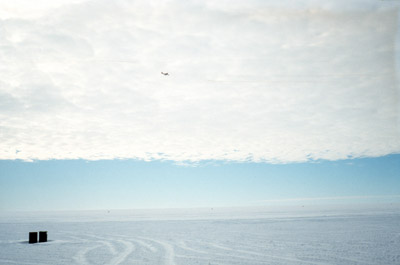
pixel 168 248
pixel 81 256
pixel 146 245
pixel 7 261
pixel 105 242
pixel 263 255
pixel 183 245
pixel 117 256
pixel 122 256
pixel 109 246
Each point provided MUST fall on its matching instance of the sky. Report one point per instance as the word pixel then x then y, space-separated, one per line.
pixel 130 184
pixel 258 92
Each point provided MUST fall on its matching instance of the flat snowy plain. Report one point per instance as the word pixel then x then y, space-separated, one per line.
pixel 288 235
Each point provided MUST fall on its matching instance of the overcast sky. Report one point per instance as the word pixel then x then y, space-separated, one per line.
pixel 248 80
pixel 266 103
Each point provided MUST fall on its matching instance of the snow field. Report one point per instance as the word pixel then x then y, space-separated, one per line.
pixel 341 239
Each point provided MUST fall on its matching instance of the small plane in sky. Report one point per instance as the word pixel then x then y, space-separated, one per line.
pixel 164 73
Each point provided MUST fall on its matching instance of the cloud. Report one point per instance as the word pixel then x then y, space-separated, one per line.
pixel 253 81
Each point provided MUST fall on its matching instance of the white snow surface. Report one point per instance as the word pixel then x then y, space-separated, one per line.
pixel 230 236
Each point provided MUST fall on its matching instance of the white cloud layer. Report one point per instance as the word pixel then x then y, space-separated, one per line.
pixel 249 80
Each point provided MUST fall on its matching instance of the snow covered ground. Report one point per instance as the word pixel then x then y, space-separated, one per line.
pixel 302 235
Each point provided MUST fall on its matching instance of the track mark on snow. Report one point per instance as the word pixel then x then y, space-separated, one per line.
pixel 80 257
pixel 146 245
pixel 7 261
pixel 168 248
pixel 183 245
pixel 104 241
pixel 121 257
pixel 262 255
